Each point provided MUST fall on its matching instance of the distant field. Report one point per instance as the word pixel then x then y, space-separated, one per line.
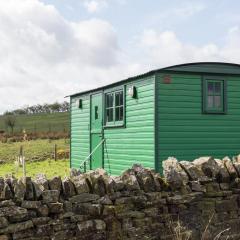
pixel 54 122
pixel 48 167
pixel 33 150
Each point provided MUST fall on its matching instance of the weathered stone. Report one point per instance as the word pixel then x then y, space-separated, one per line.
pixel 156 177
pixel 31 204
pixel 29 194
pixel 75 172
pixel 55 183
pixel 3 222
pixel 208 165
pixel 193 171
pixel 43 211
pixel 99 180
pixel 19 190
pixel 130 181
pixel 44 230
pixel 81 184
pixel 145 179
pixel 84 197
pixel 14 213
pixel 17 227
pixel 88 209
pixel 223 175
pixel 226 205
pixel 118 183
pixel 38 189
pixel 131 214
pixel 41 220
pixel 6 193
pixel 105 200
pixel 7 203
pixel 55 207
pixel 68 188
pixel 42 181
pixel 224 186
pixel 174 174
pixel 50 196
pixel 24 234
pixel 79 218
pixel 90 225
pixel 230 168
pixel 237 167
pixel 212 187
pixel 67 205
pixel 109 184
pixel 4 237
pixel 197 187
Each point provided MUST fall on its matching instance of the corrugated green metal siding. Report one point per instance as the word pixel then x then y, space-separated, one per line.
pixel 135 142
pixel 80 141
pixel 186 133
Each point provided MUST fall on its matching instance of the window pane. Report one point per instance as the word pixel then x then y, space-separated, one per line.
pixel 96 112
pixel 109 100
pixel 117 111
pixel 210 88
pixel 119 98
pixel 217 101
pixel 109 115
pixel 121 114
pixel 210 102
pixel 217 88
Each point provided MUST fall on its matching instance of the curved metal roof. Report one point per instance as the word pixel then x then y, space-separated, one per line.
pixel 196 67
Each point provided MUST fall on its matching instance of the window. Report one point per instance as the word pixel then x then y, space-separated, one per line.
pixel 114 108
pixel 214 96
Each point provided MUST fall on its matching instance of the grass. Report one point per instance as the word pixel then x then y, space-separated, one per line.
pixel 49 167
pixel 35 149
pixel 52 122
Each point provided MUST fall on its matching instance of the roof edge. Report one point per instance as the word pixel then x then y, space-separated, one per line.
pixel 169 68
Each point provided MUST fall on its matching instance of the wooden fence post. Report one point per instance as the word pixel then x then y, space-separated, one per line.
pixel 55 152
pixel 22 160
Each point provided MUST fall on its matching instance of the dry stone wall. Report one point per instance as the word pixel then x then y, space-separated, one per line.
pixel 198 200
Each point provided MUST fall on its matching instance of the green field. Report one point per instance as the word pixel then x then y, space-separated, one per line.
pixel 33 150
pixel 52 122
pixel 49 167
pixel 38 155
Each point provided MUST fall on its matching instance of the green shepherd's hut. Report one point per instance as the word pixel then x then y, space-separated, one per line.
pixel 185 111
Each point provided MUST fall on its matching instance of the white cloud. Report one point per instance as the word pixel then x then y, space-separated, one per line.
pixel 165 48
pixel 185 10
pixel 95 5
pixel 44 57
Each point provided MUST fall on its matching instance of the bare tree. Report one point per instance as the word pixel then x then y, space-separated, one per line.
pixel 10 121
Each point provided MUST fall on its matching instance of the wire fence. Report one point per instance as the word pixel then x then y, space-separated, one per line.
pixel 28 158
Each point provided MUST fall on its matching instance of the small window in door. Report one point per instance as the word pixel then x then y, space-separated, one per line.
pixel 96 112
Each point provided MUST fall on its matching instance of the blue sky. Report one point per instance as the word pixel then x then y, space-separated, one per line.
pixel 52 48
pixel 193 21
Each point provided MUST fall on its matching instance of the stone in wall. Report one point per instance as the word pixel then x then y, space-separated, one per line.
pixel 139 204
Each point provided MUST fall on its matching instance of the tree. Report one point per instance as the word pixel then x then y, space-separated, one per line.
pixel 10 121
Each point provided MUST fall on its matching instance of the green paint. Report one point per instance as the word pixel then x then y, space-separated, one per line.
pixel 96 131
pixel 135 142
pixel 165 119
pixel 80 136
pixel 184 131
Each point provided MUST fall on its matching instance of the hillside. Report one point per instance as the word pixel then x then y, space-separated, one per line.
pixel 50 122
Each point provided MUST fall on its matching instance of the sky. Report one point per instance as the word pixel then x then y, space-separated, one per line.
pixel 53 48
